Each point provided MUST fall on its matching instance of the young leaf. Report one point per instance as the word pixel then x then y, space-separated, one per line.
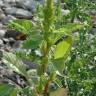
pixel 23 26
pixel 63 48
pixel 69 28
pixel 32 42
pixel 66 30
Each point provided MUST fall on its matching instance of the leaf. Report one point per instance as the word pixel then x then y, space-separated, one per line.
pixel 59 92
pixel 63 48
pixel 7 90
pixel 59 65
pixel 32 42
pixel 67 29
pixel 27 24
pixel 17 27
pixel 24 26
pixel 14 63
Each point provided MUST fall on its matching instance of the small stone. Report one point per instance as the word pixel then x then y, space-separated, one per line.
pixel 11 33
pixel 2 15
pixel 27 4
pixel 11 41
pixel 41 1
pixel 1 25
pixel 9 1
pixel 20 13
pixel 5 40
pixel 65 12
pixel 30 65
pixel 1 3
pixel 2 33
pixel 1 42
pixel 8 19
pixel 17 44
pixel 62 5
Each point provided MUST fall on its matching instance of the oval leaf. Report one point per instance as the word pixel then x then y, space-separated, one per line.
pixel 63 48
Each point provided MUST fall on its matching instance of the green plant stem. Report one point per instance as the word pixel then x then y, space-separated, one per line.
pixel 45 58
pixel 47 24
pixel 73 16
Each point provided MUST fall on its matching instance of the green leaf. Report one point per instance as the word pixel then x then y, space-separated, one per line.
pixel 67 29
pixel 24 26
pixel 7 90
pixel 14 63
pixel 59 92
pixel 61 53
pixel 17 27
pixel 27 24
pixel 63 48
pixel 59 64
pixel 32 42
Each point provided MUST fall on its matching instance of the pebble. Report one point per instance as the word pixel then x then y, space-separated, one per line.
pixel 2 33
pixel 17 44
pixel 1 42
pixel 7 19
pixel 1 3
pixel 5 40
pixel 9 1
pixel 20 13
pixel 2 15
pixel 65 12
pixel 1 25
pixel 27 4
pixel 11 41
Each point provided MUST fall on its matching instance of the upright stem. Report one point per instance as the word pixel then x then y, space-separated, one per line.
pixel 47 24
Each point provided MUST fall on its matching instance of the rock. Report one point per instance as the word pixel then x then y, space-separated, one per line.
pixel 9 1
pixel 1 25
pixel 30 65
pixel 2 33
pixel 5 40
pixel 2 15
pixel 27 4
pixel 1 43
pixel 41 1
pixel 11 41
pixel 7 19
pixel 12 34
pixel 62 5
pixel 1 3
pixel 17 44
pixel 65 12
pixel 20 13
